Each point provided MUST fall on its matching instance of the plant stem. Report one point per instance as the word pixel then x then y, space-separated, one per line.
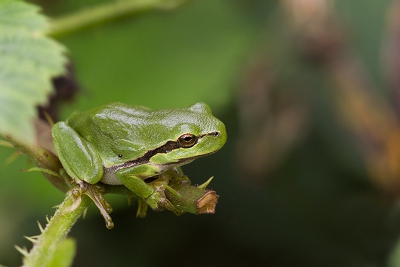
pixel 41 156
pixel 56 230
pixel 106 12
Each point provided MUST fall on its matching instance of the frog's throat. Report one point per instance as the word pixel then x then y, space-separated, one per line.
pixel 166 148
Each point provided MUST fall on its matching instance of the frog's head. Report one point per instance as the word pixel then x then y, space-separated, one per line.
pixel 194 132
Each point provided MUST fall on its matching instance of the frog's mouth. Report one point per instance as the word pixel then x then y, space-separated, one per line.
pixel 177 163
pixel 165 166
pixel 190 159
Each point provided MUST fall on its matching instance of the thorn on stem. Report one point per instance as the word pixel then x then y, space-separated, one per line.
pixel 33 239
pixel 84 213
pixel 204 185
pixel 23 251
pixel 13 157
pixel 6 143
pixel 40 227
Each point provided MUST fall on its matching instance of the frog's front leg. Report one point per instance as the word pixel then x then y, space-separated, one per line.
pixel 78 157
pixel 152 193
pixel 83 164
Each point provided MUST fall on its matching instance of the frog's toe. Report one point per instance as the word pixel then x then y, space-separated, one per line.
pixel 96 194
pixel 142 209
pixel 159 202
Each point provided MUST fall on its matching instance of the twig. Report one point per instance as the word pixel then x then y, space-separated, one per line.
pixel 56 230
pixel 107 12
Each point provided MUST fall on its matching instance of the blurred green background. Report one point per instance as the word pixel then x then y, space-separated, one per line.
pixel 308 176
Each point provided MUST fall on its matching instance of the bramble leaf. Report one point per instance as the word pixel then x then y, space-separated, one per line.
pixel 28 61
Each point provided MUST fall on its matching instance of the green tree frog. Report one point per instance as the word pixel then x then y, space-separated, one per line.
pixel 119 144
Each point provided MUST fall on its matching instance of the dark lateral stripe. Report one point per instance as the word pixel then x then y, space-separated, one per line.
pixel 167 147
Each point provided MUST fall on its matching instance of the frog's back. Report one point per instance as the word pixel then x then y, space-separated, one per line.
pixel 115 129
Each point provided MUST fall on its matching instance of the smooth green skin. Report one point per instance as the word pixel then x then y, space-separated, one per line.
pixel 111 144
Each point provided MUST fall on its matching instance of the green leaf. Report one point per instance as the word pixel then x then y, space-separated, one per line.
pixel 28 61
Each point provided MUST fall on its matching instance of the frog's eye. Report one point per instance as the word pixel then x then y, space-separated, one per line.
pixel 187 140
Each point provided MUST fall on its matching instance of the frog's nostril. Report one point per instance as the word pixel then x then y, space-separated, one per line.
pixel 215 133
